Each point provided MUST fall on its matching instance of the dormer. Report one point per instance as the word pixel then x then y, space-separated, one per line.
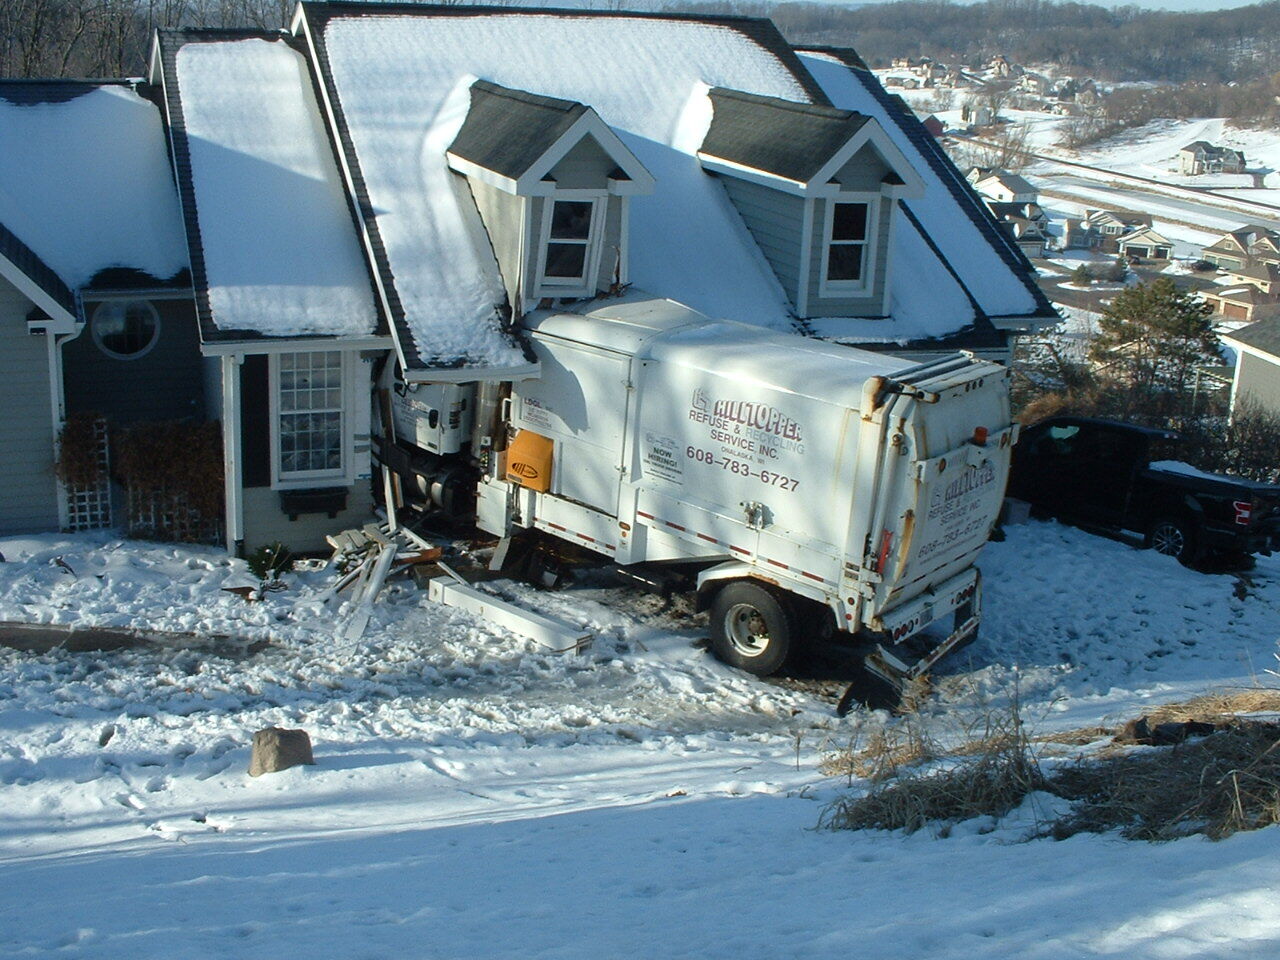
pixel 817 187
pixel 552 184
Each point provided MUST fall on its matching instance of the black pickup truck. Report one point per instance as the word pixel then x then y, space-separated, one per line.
pixel 1126 477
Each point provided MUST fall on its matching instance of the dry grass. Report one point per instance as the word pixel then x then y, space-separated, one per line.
pixel 1215 785
pixel 998 770
pixel 1218 785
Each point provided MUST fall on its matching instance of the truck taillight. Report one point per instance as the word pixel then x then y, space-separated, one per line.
pixel 1244 512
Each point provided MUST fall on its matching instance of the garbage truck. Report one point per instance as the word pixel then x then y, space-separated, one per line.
pixel 807 487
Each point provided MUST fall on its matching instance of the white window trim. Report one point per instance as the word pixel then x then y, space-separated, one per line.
pixel 850 288
pixel 300 481
pixel 558 287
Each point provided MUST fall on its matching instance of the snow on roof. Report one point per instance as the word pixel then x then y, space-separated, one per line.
pixel 399 77
pixel 280 252
pixel 85 182
pixel 996 286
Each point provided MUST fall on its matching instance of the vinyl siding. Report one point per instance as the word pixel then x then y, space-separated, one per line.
pixel 776 221
pixel 870 304
pixel 1259 382
pixel 30 500
pixel 265 523
pixel 165 383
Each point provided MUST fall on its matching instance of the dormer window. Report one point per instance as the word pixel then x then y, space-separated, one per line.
pixel 848 227
pixel 570 230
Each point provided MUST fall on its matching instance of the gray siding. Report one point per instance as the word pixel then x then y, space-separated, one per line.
pixel 30 499
pixel 871 304
pixel 1259 383
pixel 612 243
pixel 500 213
pixel 264 523
pixel 166 383
pixel 585 167
pixel 864 171
pixel 776 221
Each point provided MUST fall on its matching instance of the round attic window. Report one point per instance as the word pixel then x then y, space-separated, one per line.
pixel 125 329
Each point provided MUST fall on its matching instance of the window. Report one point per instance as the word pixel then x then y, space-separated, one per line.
pixel 309 421
pixel 125 329
pixel 848 233
pixel 568 255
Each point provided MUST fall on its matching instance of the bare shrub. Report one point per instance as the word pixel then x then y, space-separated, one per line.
pixel 998 770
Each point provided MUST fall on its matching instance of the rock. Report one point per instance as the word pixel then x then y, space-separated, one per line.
pixel 275 749
pixel 1142 731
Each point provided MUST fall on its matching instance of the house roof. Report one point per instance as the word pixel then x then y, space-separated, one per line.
pixel 85 192
pixel 1244 294
pixel 507 131
pixel 1010 181
pixel 782 137
pixel 273 249
pixel 963 238
pixel 398 78
pixel 1266 272
pixel 1263 336
pixel 1145 234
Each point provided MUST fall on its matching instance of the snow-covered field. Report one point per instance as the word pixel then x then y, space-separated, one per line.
pixel 475 797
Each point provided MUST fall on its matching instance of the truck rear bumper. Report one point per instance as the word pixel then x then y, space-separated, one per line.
pixel 913 616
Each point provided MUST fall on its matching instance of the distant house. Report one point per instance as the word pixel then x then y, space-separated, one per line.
pixel 911 83
pixel 1236 247
pixel 1145 244
pixel 1203 157
pixel 1245 302
pixel 1034 84
pixel 976 114
pixel 273 218
pixel 1262 274
pixel 1265 248
pixel 1257 375
pixel 1030 236
pixel 1002 186
pixel 1101 229
pixel 933 125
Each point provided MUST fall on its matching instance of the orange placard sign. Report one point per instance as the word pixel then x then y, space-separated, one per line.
pixel 529 461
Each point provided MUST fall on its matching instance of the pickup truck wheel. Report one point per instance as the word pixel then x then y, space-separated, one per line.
pixel 751 628
pixel 1173 538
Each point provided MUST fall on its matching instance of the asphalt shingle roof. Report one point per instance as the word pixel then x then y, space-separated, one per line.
pixel 508 130
pixel 1263 335
pixel 781 137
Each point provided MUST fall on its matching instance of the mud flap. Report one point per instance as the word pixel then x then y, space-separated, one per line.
pixel 889 682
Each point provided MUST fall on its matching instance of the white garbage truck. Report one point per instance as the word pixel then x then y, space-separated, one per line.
pixel 811 487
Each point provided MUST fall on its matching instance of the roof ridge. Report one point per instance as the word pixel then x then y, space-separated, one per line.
pixel 528 96
pixel 781 103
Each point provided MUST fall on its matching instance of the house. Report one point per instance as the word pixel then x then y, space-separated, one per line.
pixel 1035 84
pixel 257 232
pixel 1244 303
pixel 1002 186
pixel 1237 247
pixel 1264 275
pixel 1145 244
pixel 1030 236
pixel 976 114
pixel 1201 156
pixel 933 125
pixel 1256 383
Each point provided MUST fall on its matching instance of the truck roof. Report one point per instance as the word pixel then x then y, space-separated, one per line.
pixel 639 323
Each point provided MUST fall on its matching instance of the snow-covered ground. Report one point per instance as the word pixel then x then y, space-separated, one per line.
pixel 476 797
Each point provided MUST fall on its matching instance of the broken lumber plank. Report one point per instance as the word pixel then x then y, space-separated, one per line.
pixel 556 635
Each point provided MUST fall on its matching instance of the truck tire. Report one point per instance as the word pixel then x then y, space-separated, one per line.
pixel 752 628
pixel 1173 538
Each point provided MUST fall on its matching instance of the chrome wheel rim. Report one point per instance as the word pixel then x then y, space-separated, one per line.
pixel 1168 539
pixel 746 629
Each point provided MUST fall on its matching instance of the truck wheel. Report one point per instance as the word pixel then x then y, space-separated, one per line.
pixel 1173 538
pixel 751 628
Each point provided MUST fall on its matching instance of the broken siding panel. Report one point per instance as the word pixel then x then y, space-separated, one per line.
pixel 612 243
pixel 776 221
pixel 30 500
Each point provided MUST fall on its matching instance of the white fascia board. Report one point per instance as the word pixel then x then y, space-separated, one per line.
pixel 759 177
pixel 63 321
pixel 223 348
pixel 475 171
pixel 1249 349
pixel 516 371
pixel 589 124
pixel 872 133
pixel 154 69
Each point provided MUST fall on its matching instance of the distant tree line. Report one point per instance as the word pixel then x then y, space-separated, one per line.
pixel 109 38
pixel 1115 44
